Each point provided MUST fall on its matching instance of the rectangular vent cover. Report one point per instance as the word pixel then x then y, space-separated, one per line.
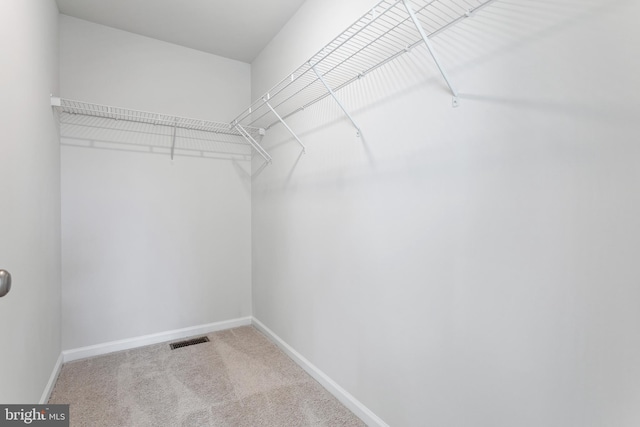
pixel 189 342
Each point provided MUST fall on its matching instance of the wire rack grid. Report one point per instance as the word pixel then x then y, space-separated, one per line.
pixel 118 113
pixel 381 35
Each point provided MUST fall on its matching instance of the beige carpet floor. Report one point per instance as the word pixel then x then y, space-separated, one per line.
pixel 239 378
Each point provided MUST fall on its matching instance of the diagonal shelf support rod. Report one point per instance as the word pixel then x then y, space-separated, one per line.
pixel 266 101
pixel 173 139
pixel 246 135
pixel 313 67
pixel 430 48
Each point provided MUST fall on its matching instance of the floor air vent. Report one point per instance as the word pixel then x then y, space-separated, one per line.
pixel 186 343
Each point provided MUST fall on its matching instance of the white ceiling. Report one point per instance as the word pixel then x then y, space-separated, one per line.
pixel 237 29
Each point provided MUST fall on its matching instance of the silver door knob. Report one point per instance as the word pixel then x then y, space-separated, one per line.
pixel 5 282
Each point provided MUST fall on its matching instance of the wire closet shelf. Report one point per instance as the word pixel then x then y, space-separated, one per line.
pixel 390 29
pixel 245 134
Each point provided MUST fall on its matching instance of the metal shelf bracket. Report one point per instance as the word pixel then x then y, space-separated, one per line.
pixel 266 101
pixel 358 131
pixel 432 52
pixel 173 139
pixel 247 136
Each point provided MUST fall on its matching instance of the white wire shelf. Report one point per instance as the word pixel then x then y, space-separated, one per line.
pixel 390 29
pixel 384 33
pixel 157 130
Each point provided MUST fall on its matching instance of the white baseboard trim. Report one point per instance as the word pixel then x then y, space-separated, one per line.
pixel 126 344
pixel 361 411
pixel 52 381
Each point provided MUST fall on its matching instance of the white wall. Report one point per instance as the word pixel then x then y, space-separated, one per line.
pixel 473 266
pixel 108 66
pixel 149 245
pixel 29 198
